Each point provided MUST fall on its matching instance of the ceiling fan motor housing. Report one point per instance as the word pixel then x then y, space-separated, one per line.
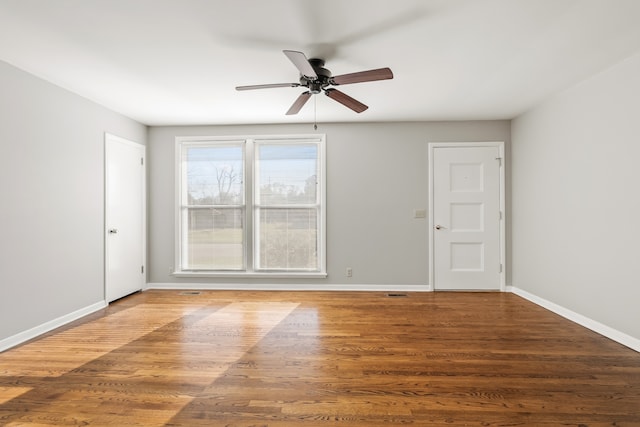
pixel 323 79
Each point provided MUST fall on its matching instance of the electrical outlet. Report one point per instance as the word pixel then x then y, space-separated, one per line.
pixel 349 272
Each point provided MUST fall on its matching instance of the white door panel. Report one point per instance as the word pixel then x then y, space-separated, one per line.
pixel 124 215
pixel 466 218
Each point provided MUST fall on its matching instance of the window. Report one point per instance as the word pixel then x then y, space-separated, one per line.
pixel 251 206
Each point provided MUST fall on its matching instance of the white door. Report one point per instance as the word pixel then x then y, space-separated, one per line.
pixel 124 217
pixel 466 217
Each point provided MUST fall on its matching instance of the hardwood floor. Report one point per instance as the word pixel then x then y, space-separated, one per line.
pixel 225 358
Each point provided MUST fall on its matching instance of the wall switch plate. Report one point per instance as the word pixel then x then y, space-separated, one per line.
pixel 419 213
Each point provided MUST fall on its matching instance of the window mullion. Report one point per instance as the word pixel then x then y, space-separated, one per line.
pixel 249 165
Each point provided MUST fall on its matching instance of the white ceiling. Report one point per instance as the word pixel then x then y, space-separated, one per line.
pixel 168 62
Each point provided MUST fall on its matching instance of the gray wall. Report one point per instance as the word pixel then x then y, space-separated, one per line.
pixel 376 176
pixel 575 199
pixel 51 191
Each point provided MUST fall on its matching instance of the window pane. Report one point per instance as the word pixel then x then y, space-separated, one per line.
pixel 215 239
pixel 287 174
pixel 214 175
pixel 288 239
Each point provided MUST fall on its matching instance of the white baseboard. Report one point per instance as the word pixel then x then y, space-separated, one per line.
pixel 288 287
pixel 614 334
pixel 21 337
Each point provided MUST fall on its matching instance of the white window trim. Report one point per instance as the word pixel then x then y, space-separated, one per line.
pixel 250 272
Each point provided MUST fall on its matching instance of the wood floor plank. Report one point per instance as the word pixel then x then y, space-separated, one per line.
pixel 224 358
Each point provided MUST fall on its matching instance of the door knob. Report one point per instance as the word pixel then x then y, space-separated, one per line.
pixel 438 227
pixel 113 231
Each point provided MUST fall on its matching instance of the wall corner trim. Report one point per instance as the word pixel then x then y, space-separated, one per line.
pixel 604 330
pixel 24 336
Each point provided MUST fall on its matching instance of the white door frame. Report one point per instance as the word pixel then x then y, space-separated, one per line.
pixel 500 146
pixel 113 138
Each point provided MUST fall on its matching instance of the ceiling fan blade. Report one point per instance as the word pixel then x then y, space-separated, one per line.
pixel 299 103
pixel 345 100
pixel 363 76
pixel 302 63
pixel 267 86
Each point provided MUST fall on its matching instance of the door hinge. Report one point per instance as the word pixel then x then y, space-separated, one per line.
pixel 142 269
pixel 500 268
pixel 142 161
pixel 499 159
pixel 500 215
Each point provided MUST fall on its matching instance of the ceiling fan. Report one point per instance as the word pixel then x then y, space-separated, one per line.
pixel 316 78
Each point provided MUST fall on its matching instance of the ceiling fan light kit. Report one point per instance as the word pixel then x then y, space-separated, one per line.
pixel 317 79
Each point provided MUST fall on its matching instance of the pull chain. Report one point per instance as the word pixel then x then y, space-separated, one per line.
pixel 315 116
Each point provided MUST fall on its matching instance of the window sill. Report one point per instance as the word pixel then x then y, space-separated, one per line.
pixel 245 275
